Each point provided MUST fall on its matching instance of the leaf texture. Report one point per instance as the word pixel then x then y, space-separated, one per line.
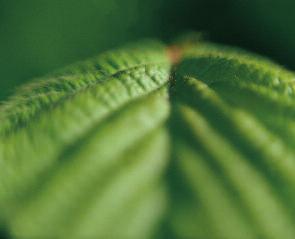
pixel 142 142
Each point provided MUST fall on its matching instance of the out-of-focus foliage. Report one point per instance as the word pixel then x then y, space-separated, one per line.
pixel 267 26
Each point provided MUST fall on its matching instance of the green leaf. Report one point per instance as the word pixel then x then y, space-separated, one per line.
pixel 190 141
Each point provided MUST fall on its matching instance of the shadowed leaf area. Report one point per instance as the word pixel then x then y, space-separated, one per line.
pixel 151 141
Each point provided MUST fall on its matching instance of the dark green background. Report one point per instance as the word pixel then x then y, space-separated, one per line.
pixel 38 36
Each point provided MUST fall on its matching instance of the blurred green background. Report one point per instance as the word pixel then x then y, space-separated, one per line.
pixel 38 36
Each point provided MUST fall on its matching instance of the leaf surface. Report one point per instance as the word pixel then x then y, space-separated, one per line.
pixel 194 141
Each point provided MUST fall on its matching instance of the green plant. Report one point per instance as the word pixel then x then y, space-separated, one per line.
pixel 194 140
